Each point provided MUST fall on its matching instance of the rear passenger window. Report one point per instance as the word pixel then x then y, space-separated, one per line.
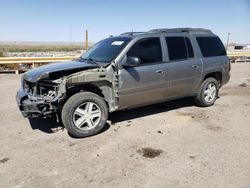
pixel 176 48
pixel 148 50
pixel 179 48
pixel 211 46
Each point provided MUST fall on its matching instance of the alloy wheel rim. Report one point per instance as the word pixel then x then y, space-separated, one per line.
pixel 210 92
pixel 87 116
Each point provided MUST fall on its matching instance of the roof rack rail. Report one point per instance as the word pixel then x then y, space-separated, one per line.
pixel 181 30
pixel 132 33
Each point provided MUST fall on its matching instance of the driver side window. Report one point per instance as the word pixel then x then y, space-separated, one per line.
pixel 148 50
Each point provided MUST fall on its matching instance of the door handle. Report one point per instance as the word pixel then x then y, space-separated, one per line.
pixel 159 71
pixel 195 66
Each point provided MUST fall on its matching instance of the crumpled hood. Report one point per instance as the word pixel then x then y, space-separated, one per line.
pixel 45 70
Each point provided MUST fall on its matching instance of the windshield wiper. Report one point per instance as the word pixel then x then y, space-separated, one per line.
pixel 90 60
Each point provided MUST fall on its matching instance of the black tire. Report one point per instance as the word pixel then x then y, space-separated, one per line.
pixel 69 109
pixel 200 98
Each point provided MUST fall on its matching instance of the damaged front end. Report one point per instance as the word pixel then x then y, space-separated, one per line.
pixel 41 96
pixel 40 99
pixel 43 88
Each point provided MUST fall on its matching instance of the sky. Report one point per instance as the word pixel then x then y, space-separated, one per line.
pixel 50 20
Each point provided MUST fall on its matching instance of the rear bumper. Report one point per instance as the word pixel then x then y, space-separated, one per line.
pixel 27 107
pixel 225 78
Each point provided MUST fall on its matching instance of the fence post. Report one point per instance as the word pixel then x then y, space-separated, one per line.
pixel 16 68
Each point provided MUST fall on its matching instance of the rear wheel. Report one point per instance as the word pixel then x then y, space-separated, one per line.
pixel 208 93
pixel 84 114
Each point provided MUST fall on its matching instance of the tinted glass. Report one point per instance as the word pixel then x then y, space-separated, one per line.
pixel 189 47
pixel 211 46
pixel 107 49
pixel 176 48
pixel 148 50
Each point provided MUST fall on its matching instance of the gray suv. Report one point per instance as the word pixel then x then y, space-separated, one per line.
pixel 126 71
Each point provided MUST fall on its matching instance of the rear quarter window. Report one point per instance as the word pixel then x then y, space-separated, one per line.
pixel 211 46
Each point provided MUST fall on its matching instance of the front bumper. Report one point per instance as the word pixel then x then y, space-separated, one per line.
pixel 30 108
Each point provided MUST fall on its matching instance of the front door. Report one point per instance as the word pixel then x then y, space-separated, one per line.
pixel 147 82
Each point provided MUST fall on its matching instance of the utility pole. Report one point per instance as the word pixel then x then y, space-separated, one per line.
pixel 86 40
pixel 228 36
pixel 71 40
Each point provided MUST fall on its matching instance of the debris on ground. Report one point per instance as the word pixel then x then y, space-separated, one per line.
pixel 212 127
pixel 159 132
pixel 131 155
pixel 72 144
pixel 57 129
pixel 243 85
pixel 149 152
pixel 4 160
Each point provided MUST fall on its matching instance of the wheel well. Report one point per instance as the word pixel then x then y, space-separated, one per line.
pixel 216 75
pixel 79 88
pixel 87 87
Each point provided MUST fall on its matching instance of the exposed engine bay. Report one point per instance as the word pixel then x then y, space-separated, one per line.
pixel 45 90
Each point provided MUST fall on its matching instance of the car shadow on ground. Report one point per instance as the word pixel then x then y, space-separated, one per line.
pixel 52 125
pixel 47 125
pixel 130 114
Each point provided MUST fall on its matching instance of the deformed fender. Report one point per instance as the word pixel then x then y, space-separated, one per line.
pixel 106 79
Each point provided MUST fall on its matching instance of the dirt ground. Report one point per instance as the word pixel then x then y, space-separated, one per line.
pixel 173 144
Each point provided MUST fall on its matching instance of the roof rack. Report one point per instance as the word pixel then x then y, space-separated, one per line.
pixel 172 30
pixel 181 30
pixel 132 33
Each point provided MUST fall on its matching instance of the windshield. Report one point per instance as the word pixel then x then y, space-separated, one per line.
pixel 106 50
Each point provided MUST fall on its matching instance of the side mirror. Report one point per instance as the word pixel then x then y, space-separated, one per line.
pixel 132 62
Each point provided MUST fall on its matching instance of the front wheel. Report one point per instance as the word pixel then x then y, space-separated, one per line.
pixel 208 93
pixel 84 114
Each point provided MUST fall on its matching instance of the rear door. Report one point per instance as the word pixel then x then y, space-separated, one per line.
pixel 147 82
pixel 184 70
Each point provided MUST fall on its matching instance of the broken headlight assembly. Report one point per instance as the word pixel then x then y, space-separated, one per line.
pixel 44 90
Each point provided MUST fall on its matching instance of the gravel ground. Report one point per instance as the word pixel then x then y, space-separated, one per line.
pixel 173 144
